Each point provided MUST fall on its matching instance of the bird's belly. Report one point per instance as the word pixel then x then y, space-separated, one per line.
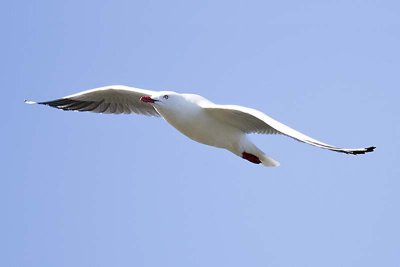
pixel 207 131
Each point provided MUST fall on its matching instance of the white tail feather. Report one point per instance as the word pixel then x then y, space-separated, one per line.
pixel 268 162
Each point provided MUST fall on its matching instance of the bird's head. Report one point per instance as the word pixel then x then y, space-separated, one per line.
pixel 164 100
pixel 168 102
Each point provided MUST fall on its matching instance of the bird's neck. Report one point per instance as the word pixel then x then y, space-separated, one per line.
pixel 180 115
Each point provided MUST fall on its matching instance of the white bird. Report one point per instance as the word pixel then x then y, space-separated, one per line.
pixel 223 126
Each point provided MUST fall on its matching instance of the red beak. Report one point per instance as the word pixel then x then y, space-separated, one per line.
pixel 147 99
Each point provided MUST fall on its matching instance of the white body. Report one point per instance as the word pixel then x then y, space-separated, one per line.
pixel 223 126
pixel 190 118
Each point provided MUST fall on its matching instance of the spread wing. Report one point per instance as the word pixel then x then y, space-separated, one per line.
pixel 253 121
pixel 114 99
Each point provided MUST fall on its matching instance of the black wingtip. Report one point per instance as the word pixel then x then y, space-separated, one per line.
pixel 362 151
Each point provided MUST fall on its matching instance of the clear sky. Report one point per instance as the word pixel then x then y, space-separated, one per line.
pixel 83 189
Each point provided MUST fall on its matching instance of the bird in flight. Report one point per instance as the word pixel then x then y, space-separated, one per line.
pixel 222 126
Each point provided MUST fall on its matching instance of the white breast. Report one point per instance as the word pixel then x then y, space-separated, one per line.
pixel 199 126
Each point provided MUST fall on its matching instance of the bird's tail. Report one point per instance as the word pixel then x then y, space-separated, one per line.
pixel 268 161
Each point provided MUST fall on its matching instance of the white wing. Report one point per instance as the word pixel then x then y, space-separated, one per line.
pixel 253 121
pixel 114 99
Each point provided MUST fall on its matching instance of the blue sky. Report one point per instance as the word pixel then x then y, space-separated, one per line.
pixel 82 189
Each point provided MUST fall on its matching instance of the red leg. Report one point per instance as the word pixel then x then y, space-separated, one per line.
pixel 250 157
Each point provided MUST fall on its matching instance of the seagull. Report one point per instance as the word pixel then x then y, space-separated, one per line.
pixel 222 126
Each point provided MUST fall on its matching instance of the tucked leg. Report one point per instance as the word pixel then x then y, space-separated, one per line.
pixel 250 157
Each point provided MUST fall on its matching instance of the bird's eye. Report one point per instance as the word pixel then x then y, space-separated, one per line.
pixel 166 96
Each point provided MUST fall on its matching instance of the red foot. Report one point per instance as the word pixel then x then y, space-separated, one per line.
pixel 250 157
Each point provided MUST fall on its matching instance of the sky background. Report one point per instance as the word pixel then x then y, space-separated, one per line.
pixel 83 189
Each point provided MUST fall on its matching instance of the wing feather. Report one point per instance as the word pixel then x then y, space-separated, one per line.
pixel 253 121
pixel 115 99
